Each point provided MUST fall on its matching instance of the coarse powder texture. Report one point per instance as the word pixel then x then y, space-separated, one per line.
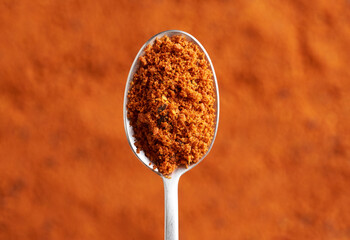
pixel 171 103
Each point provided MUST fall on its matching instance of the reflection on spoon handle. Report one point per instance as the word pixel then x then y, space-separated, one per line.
pixel 171 230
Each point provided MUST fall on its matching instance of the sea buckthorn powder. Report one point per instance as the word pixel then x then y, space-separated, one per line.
pixel 171 103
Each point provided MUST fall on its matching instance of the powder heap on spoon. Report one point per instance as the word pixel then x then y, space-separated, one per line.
pixel 171 104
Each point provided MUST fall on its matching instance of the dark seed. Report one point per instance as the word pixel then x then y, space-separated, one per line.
pixel 162 108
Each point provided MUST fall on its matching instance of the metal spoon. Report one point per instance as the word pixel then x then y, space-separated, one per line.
pixel 170 184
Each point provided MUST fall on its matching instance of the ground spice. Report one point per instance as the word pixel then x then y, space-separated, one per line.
pixel 280 168
pixel 171 103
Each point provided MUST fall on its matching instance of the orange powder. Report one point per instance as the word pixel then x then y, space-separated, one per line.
pixel 171 104
pixel 280 168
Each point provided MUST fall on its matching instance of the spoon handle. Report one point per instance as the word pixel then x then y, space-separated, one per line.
pixel 171 230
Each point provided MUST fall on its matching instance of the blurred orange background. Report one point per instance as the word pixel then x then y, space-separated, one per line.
pixel 279 168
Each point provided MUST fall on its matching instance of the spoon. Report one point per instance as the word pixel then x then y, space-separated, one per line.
pixel 171 182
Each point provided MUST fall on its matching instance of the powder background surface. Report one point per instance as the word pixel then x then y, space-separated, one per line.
pixel 279 168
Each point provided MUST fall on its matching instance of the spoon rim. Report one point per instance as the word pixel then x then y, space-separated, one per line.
pixel 180 169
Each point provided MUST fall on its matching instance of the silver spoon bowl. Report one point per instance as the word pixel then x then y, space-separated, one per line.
pixel 171 181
